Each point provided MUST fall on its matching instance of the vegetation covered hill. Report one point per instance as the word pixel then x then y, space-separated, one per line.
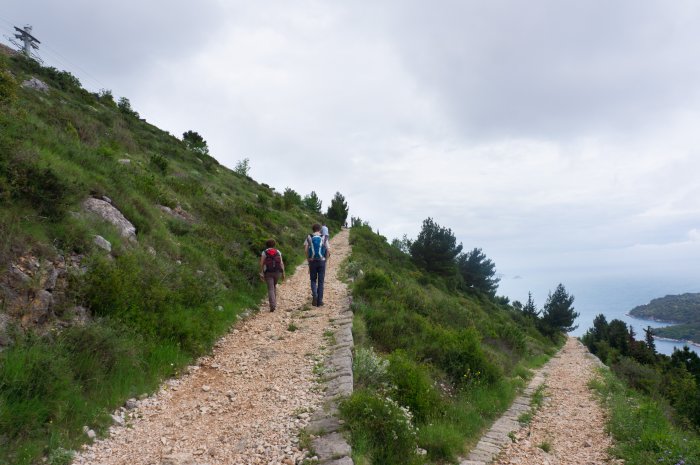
pixel 435 361
pixel 85 321
pixel 684 309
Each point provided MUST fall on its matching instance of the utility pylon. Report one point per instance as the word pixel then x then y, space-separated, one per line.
pixel 29 42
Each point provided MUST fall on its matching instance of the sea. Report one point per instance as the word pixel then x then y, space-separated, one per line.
pixel 613 296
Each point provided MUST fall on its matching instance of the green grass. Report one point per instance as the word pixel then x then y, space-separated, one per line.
pixel 643 433
pixel 546 446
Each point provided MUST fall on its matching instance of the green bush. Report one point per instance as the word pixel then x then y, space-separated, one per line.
pixel 36 185
pixel 8 88
pixel 373 280
pixel 413 387
pixel 159 162
pixel 369 369
pixel 383 425
pixel 641 377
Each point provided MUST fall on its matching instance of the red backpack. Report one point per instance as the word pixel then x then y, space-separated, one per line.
pixel 273 260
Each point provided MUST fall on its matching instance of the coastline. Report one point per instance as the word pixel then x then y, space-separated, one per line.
pixel 688 342
pixel 653 320
pixel 680 341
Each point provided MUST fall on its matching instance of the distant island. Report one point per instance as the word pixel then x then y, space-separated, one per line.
pixel 682 310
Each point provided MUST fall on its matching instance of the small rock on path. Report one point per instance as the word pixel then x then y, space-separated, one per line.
pixel 245 403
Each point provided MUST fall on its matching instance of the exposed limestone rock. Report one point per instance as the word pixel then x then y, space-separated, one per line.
pixel 103 243
pixel 32 288
pixel 331 446
pixel 5 339
pixel 79 315
pixel 109 213
pixel 178 212
pixel 36 84
pixel 39 309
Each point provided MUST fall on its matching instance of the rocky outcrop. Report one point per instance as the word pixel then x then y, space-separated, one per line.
pixel 102 243
pixel 112 215
pixel 32 290
pixel 36 84
pixel 178 212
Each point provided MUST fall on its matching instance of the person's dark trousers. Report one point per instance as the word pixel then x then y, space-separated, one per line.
pixel 317 271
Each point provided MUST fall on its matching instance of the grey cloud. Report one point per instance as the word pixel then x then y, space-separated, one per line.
pixel 117 39
pixel 549 68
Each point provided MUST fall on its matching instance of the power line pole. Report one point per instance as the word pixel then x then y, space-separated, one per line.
pixel 29 42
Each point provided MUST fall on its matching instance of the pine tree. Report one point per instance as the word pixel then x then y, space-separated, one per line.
pixel 478 272
pixel 435 249
pixel 338 210
pixel 312 202
pixel 530 309
pixel 649 339
pixel 558 314
pixel 195 142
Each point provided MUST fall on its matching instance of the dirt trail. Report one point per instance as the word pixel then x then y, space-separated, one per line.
pixel 246 403
pixel 570 423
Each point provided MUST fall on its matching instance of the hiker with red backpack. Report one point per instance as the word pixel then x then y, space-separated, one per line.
pixel 271 270
pixel 317 254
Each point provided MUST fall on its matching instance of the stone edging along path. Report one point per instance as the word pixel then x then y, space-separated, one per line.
pixel 491 443
pixel 329 445
pixel 247 401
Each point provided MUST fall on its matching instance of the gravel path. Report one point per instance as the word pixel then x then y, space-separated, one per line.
pixel 571 423
pixel 245 403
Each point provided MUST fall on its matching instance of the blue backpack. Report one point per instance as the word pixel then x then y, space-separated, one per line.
pixel 317 248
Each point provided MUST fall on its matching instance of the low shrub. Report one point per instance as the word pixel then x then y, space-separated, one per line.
pixel 642 377
pixel 369 369
pixel 373 280
pixel 412 386
pixel 381 424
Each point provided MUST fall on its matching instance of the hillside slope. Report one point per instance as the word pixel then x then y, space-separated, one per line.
pixel 433 365
pixel 92 313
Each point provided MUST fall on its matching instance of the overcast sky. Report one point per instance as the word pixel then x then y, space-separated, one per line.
pixel 562 137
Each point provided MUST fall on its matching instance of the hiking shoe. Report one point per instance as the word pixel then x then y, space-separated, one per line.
pixel 314 302
pixel 320 304
pixel 272 309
